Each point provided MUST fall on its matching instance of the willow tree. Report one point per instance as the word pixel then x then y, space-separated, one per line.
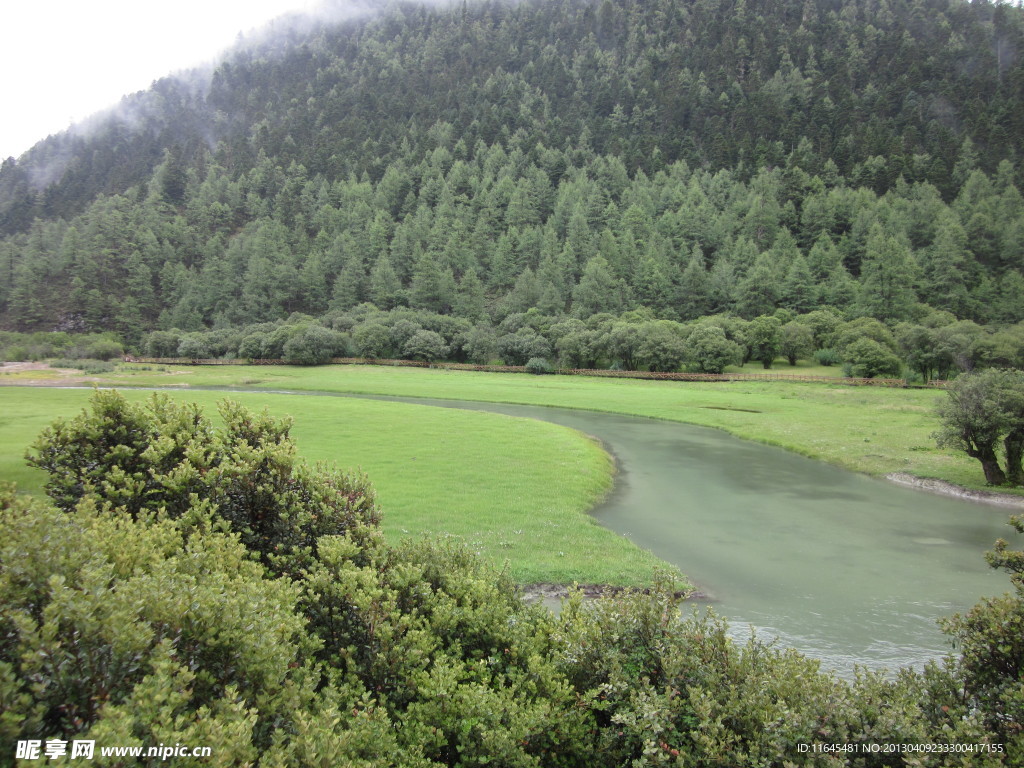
pixel 983 410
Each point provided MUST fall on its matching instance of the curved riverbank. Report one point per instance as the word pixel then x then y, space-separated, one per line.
pixel 943 488
pixel 545 591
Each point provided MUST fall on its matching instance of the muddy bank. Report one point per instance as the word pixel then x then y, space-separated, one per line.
pixel 949 489
pixel 540 592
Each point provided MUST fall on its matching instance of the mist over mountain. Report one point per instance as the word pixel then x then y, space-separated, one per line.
pixel 668 155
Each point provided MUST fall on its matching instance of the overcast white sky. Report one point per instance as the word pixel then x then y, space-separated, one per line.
pixel 63 60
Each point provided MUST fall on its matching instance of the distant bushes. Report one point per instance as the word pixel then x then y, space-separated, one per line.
pixel 936 346
pixel 86 366
pixel 538 366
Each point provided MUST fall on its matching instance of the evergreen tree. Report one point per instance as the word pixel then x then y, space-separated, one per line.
pixel 695 293
pixel 385 288
pixel 798 291
pixel 722 285
pixel 758 291
pixel 943 280
pixel 470 299
pixel 598 290
pixel 887 277
pixel 432 287
pixel 350 286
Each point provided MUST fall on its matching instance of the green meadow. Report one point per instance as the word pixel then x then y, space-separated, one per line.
pixel 515 490
pixel 873 430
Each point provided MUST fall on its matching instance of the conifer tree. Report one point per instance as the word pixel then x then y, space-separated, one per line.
pixel 432 287
pixel 695 295
pixel 758 292
pixel 798 291
pixel 598 290
pixel 887 277
pixel 385 288
pixel 470 299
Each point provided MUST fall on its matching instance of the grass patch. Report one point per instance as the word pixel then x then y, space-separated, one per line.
pixel 516 490
pixel 866 429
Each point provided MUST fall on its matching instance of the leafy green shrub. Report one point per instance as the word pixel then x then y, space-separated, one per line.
pixel 709 350
pixel 425 345
pixel 827 356
pixel 538 365
pixel 314 345
pixel 796 341
pixel 372 339
pixel 162 344
pixel 253 346
pixel 160 456
pixel 517 348
pixel 869 359
pixel 194 346
pixel 159 630
pixel 661 345
pixel 104 349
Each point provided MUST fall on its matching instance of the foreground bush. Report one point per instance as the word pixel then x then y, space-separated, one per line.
pixel 199 585
pixel 159 456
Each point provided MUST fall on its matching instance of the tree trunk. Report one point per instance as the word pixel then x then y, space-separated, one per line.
pixel 1014 444
pixel 993 472
pixel 985 452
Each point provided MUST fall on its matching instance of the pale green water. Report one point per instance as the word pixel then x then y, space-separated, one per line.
pixel 843 567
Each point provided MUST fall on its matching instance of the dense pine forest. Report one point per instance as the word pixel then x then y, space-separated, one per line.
pixel 490 169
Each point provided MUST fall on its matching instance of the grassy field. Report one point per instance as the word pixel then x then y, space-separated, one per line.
pixel 515 490
pixel 865 429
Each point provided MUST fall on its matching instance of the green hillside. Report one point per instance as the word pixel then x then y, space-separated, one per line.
pixel 582 158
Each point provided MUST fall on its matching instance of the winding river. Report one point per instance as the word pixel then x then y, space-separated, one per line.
pixel 841 566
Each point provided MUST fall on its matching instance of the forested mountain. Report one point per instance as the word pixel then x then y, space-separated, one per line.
pixel 578 158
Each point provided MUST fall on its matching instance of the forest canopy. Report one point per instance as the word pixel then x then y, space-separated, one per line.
pixel 574 157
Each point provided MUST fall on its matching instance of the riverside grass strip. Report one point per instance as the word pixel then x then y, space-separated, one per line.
pixel 608 373
pixel 515 490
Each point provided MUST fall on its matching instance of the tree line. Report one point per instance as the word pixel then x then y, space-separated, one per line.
pixel 491 236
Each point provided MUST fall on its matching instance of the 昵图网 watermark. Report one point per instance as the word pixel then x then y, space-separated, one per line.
pixel 85 749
